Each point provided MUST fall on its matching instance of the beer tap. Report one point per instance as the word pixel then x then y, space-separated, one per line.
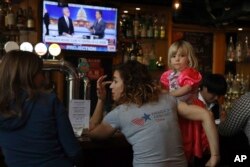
pixel 83 68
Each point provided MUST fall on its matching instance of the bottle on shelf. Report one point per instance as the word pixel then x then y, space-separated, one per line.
pixel 136 25
pixel 238 51
pixel 162 27
pixel 10 18
pixel 2 16
pixel 129 27
pixel 152 59
pixel 156 27
pixel 139 56
pixel 246 54
pixel 143 27
pixel 230 50
pixel 20 18
pixel 149 26
pixel 30 19
pixel 133 51
pixel 125 52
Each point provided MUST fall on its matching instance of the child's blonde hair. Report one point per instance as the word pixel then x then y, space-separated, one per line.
pixel 187 49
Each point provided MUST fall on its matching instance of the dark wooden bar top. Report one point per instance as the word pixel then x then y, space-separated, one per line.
pixel 116 141
pixel 112 152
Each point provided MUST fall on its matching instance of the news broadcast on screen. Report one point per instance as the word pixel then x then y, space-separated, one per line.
pixel 80 27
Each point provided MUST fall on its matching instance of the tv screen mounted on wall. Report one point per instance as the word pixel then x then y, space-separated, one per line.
pixel 80 27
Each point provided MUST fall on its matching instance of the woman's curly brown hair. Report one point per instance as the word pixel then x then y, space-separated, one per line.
pixel 139 88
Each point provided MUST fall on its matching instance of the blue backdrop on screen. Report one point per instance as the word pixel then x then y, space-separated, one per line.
pixel 83 17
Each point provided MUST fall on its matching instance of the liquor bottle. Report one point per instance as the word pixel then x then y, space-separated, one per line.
pixel 2 16
pixel 20 18
pixel 143 27
pixel 123 24
pixel 30 19
pixel 246 50
pixel 10 19
pixel 129 27
pixel 136 25
pixel 238 53
pixel 156 27
pixel 162 27
pixel 133 51
pixel 152 59
pixel 139 56
pixel 230 50
pixel 149 26
pixel 125 52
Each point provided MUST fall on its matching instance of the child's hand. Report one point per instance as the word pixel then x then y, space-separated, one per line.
pixel 213 161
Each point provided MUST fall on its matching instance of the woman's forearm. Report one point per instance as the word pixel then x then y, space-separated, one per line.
pixel 97 115
pixel 197 113
pixel 212 134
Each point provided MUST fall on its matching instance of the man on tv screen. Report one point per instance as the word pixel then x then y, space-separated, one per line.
pixel 99 25
pixel 65 24
pixel 46 20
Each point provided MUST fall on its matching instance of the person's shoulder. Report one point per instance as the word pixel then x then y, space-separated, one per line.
pixel 60 18
pixel 167 97
pixel 247 94
pixel 191 73
pixel 51 96
pixel 245 98
pixel 102 21
pixel 190 70
pixel 125 108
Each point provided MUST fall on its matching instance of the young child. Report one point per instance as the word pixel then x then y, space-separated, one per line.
pixel 182 81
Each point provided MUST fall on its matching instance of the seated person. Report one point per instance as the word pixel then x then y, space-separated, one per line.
pixel 235 130
pixel 212 87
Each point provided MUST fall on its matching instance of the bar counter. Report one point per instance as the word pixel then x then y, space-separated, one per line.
pixel 112 152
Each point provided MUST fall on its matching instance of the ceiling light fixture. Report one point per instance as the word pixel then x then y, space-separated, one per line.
pixel 176 4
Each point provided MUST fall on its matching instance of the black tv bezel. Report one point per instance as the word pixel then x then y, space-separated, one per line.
pixel 85 53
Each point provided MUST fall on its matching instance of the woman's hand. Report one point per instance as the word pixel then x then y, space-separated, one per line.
pixel 101 87
pixel 98 113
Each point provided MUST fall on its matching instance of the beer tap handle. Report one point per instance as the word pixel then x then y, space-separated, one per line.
pixel 83 68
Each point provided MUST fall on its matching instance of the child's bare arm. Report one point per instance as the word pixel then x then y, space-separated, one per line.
pixel 181 91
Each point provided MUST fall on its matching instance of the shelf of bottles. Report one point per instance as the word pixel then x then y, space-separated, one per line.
pixel 139 33
pixel 239 52
pixel 144 26
pixel 14 18
pixel 237 85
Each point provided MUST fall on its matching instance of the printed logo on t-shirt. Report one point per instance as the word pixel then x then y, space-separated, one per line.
pixel 154 116
pixel 141 120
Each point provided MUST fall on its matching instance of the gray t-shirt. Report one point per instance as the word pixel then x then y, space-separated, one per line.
pixel 152 130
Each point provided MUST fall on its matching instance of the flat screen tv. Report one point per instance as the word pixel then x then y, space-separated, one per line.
pixel 83 30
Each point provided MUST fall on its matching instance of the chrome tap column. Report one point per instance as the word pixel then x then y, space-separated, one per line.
pixel 71 73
